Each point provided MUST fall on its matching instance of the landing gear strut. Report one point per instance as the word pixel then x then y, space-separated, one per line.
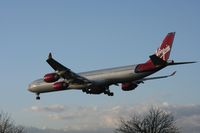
pixel 107 91
pixel 38 96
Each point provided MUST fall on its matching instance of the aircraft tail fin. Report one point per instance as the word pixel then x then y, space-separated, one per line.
pixel 162 53
pixel 164 50
pixel 161 56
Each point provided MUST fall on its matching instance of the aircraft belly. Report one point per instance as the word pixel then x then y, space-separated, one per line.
pixel 77 86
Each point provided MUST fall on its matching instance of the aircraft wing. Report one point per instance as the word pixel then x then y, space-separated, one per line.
pixel 65 72
pixel 159 77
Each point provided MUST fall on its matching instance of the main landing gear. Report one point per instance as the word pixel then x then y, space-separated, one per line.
pixel 38 96
pixel 107 92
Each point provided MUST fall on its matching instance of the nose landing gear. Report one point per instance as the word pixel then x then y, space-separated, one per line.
pixel 38 96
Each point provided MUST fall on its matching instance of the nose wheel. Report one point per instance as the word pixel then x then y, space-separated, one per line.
pixel 38 96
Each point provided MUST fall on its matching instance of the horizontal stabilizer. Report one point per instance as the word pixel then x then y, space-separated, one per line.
pixel 159 77
pixel 181 63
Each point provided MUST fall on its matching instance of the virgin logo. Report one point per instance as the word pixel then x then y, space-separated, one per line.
pixel 161 52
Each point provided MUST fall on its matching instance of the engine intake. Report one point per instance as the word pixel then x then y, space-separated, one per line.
pixel 51 77
pixel 128 86
pixel 60 85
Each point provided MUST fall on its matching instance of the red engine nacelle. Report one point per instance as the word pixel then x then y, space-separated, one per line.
pixel 128 86
pixel 51 77
pixel 60 85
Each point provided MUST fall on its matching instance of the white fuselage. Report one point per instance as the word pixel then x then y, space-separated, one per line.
pixel 99 78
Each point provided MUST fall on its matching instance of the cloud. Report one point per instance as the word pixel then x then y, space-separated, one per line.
pixel 187 117
pixel 52 108
pixel 93 118
pixel 165 104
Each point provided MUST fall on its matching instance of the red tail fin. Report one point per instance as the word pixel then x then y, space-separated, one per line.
pixel 160 57
pixel 164 51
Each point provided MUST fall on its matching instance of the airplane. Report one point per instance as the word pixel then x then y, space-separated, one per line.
pixel 97 82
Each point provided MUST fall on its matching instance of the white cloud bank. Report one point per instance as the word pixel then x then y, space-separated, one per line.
pixel 52 108
pixel 94 118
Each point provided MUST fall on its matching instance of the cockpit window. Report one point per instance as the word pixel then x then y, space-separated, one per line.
pixel 39 81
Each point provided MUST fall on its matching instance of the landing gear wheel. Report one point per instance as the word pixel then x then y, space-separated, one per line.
pixel 38 96
pixel 111 94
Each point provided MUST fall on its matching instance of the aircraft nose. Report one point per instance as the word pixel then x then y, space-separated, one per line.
pixel 31 87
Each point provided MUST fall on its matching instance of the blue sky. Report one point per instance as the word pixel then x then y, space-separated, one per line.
pixel 88 35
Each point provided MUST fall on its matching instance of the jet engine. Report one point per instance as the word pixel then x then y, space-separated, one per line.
pixel 60 85
pixel 129 86
pixel 51 77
